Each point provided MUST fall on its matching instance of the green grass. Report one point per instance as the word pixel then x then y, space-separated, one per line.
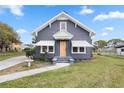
pixel 101 71
pixel 7 55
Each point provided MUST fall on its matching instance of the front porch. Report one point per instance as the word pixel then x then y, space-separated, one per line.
pixel 63 38
pixel 66 59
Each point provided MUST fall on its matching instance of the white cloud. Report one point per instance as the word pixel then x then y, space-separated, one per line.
pixel 86 10
pixel 110 15
pixel 21 31
pixel 15 9
pixel 109 28
pixel 104 34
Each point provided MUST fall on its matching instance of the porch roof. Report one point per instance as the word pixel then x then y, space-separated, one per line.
pixel 81 43
pixel 45 43
pixel 62 35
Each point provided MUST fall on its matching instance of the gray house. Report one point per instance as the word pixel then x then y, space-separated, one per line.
pixel 64 39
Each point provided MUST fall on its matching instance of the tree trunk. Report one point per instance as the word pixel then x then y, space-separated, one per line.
pixel 3 49
pixel 6 49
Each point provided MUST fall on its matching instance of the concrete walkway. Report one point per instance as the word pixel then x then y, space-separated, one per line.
pixel 11 62
pixel 17 75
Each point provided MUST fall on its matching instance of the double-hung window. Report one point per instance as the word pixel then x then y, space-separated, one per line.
pixel 75 49
pixel 48 49
pixel 44 49
pixel 63 26
pixel 78 50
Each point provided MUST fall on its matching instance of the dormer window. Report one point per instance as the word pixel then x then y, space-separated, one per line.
pixel 63 26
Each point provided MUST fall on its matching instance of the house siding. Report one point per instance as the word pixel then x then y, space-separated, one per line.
pixel 119 52
pixel 88 54
pixel 37 52
pixel 47 33
pixel 78 34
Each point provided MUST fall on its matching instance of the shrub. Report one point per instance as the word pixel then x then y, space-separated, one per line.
pixel 29 52
pixel 42 57
pixel 27 49
pixel 98 53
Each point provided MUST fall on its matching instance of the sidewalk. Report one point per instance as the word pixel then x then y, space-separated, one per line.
pixel 11 62
pixel 17 75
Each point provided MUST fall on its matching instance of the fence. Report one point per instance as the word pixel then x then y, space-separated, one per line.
pixel 107 51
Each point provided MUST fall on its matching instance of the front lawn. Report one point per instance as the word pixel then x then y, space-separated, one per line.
pixel 101 71
pixel 7 55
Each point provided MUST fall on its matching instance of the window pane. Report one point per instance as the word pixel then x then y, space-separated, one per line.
pixel 75 49
pixel 81 49
pixel 122 50
pixel 44 48
pixel 63 26
pixel 50 49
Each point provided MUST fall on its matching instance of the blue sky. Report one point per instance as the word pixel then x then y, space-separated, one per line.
pixel 106 21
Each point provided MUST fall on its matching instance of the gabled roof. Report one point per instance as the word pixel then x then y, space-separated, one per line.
pixel 64 15
pixel 119 46
pixel 62 35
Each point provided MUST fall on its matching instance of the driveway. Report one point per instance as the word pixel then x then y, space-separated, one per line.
pixel 21 74
pixel 11 62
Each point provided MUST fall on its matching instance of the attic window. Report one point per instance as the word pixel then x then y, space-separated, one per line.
pixel 63 26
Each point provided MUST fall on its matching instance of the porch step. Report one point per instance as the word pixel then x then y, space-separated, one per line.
pixel 66 59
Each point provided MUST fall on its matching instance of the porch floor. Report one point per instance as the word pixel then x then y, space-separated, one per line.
pixel 66 59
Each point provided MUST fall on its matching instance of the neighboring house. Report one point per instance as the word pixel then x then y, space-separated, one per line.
pixel 116 49
pixel 112 45
pixel 16 47
pixel 120 49
pixel 64 39
pixel 121 43
pixel 24 46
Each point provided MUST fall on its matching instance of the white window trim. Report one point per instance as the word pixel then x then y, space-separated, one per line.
pixel 41 51
pixel 78 50
pixel 65 26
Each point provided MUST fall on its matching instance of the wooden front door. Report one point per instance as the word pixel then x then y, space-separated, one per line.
pixel 62 48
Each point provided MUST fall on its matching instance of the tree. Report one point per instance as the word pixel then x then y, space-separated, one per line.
pixel 7 36
pixel 100 43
